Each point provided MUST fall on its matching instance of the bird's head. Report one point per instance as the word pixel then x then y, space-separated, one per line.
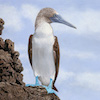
pixel 50 16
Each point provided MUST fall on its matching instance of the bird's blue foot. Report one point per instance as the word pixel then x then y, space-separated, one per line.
pixel 36 83
pixel 49 88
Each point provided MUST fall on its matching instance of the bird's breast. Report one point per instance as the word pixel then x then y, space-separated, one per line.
pixel 43 35
pixel 42 46
pixel 43 43
pixel 42 53
pixel 44 30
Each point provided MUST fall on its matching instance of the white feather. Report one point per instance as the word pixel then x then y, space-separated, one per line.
pixel 42 53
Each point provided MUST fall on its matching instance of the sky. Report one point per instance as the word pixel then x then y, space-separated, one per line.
pixel 79 73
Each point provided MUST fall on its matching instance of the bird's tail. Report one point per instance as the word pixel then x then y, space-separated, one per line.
pixel 55 88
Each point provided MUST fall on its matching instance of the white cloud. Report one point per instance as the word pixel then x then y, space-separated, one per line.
pixel 21 47
pixel 63 75
pixel 29 11
pixel 78 54
pixel 11 17
pixel 86 80
pixel 81 55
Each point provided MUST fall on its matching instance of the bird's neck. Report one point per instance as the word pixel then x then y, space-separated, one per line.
pixel 43 29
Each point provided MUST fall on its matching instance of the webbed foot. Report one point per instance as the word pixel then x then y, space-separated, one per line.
pixel 49 88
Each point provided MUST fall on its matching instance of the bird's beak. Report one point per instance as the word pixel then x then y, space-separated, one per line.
pixel 57 18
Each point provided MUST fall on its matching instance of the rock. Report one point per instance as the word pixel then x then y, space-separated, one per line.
pixel 1 25
pixel 12 91
pixel 10 64
pixel 15 56
pixel 9 46
pixel 1 43
pixel 5 57
pixel 18 66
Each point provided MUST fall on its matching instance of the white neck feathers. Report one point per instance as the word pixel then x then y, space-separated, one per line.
pixel 44 29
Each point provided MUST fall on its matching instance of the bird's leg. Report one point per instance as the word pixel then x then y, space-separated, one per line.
pixel 50 84
pixel 36 82
pixel 49 87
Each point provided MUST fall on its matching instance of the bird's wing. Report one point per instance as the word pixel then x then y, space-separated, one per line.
pixel 57 58
pixel 30 49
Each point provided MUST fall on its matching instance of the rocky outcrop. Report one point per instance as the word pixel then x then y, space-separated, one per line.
pixel 1 25
pixel 12 86
pixel 10 64
pixel 12 91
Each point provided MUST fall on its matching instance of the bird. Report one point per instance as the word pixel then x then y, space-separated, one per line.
pixel 43 49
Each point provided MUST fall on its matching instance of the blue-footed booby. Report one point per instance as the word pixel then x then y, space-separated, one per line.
pixel 43 49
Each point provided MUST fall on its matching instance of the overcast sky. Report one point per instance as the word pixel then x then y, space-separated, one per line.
pixel 79 74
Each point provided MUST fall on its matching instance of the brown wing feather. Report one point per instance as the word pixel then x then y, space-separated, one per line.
pixel 57 58
pixel 30 49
